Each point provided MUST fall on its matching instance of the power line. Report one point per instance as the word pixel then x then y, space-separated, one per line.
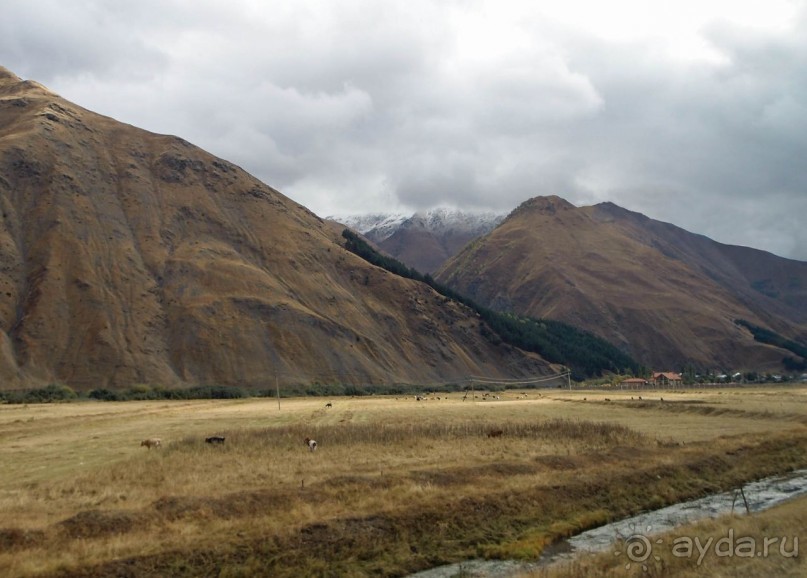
pixel 516 381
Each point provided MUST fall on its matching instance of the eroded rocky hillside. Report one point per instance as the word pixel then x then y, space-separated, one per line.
pixel 129 257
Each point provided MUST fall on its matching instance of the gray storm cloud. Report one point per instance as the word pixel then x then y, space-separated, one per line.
pixel 363 106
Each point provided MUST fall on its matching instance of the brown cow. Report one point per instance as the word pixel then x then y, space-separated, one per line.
pixel 151 443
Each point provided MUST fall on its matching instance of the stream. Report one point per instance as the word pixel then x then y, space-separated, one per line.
pixel 637 531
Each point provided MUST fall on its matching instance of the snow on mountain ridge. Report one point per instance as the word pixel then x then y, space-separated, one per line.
pixel 378 226
pixel 443 219
pixel 381 226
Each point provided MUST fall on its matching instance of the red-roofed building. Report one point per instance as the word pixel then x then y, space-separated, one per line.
pixel 634 383
pixel 667 379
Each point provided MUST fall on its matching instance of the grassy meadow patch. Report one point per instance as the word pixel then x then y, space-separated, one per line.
pixel 395 486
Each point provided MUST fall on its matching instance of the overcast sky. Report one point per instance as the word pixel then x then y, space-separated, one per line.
pixel 692 112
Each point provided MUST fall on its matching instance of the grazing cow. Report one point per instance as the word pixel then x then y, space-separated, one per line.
pixel 607 399
pixel 215 440
pixel 495 433
pixel 312 444
pixel 329 404
pixel 151 443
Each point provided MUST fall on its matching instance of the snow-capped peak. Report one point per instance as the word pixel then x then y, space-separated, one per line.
pixel 443 219
pixel 381 226
pixel 377 226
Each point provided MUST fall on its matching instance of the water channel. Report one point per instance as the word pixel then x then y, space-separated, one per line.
pixel 640 529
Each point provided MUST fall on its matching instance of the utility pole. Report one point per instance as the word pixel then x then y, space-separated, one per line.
pixel 277 390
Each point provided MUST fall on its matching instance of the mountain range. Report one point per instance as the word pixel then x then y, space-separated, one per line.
pixel 668 297
pixel 131 257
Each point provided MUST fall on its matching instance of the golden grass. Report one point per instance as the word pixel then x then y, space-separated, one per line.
pixel 402 484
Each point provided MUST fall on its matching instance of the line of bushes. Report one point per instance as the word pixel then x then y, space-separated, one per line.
pixel 61 393
pixel 47 394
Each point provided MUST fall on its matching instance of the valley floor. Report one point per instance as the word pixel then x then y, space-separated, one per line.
pixel 396 485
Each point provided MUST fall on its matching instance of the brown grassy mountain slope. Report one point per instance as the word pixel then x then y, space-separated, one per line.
pixel 419 248
pixel 666 296
pixel 428 239
pixel 131 257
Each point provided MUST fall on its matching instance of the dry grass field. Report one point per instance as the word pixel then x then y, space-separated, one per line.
pixel 396 485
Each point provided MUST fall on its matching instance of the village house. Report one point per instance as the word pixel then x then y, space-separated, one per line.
pixel 633 383
pixel 667 379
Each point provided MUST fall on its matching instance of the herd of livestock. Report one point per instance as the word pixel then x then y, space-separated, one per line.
pixel 312 444
pixel 213 440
